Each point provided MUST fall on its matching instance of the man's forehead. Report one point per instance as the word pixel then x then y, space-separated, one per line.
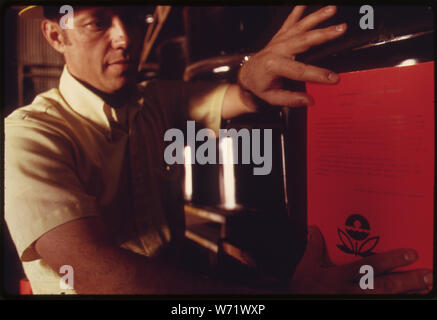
pixel 100 10
pixel 110 10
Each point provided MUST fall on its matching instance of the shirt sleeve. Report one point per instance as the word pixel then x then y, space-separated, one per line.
pixel 204 103
pixel 42 189
pixel 200 101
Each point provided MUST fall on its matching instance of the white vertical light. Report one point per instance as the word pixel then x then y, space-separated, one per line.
pixel 188 174
pixel 228 173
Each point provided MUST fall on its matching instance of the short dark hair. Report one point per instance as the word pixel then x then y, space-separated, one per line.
pixel 51 12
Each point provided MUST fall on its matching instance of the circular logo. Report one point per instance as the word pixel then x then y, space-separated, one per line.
pixel 355 239
pixel 357 227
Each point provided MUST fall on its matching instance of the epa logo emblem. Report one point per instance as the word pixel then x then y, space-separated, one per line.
pixel 354 239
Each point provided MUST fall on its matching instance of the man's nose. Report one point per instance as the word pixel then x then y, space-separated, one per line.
pixel 119 34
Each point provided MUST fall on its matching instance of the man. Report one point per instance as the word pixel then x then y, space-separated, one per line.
pixel 85 181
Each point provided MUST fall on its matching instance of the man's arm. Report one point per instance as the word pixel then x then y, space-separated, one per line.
pixel 260 80
pixel 102 268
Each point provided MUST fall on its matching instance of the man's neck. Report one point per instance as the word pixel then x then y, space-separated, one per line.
pixel 117 99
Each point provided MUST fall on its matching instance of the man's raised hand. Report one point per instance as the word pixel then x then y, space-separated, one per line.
pixel 263 75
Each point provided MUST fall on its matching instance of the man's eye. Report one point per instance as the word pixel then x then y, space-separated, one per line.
pixel 97 25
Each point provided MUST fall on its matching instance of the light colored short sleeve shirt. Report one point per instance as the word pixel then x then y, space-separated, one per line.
pixel 68 155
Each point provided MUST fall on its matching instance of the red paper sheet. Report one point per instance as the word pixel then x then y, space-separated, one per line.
pixel 371 162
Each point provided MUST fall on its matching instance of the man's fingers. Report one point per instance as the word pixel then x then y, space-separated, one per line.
pixel 293 17
pixel 298 71
pixel 313 38
pixel 285 98
pixel 402 282
pixel 381 263
pixel 312 20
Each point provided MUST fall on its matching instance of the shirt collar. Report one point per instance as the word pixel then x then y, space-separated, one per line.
pixel 89 105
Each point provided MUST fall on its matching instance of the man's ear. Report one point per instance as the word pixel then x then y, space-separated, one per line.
pixel 53 34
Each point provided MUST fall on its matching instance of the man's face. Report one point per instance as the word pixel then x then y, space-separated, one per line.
pixel 104 47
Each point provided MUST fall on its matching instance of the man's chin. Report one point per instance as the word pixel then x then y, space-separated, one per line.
pixel 123 83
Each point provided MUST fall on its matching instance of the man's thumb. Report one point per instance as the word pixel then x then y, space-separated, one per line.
pixel 315 251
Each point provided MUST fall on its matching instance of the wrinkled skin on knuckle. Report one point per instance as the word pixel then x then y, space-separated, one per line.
pixel 303 48
pixel 300 69
pixel 303 39
pixel 291 103
pixel 297 29
pixel 298 46
pixel 323 75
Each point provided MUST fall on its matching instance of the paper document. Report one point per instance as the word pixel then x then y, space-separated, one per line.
pixel 371 162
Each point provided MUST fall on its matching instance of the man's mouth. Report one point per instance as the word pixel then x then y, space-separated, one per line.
pixel 121 61
pixel 121 64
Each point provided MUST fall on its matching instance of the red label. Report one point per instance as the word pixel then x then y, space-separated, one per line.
pixel 371 162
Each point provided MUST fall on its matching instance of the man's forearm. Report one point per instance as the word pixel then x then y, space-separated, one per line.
pixel 103 268
pixel 118 271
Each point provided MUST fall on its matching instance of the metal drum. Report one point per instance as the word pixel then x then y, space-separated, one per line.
pixel 260 219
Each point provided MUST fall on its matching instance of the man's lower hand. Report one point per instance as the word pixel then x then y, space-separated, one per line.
pixel 316 274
